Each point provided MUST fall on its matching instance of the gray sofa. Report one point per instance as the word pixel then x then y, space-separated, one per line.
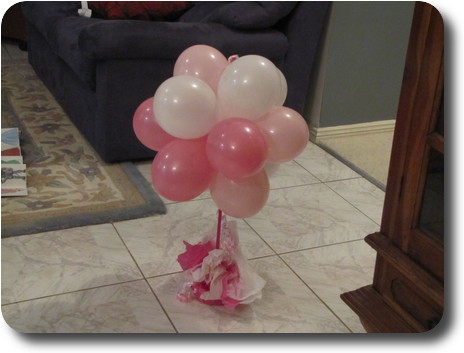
pixel 100 70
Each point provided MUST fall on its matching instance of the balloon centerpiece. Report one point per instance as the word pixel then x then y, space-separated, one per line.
pixel 215 124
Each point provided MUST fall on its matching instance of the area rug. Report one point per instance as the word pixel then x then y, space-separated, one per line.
pixel 68 184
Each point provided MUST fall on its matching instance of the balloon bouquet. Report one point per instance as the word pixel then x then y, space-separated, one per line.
pixel 214 125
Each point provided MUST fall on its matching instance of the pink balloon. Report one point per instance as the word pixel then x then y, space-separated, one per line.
pixel 241 198
pixel 203 62
pixel 286 133
pixel 236 148
pixel 147 130
pixel 181 171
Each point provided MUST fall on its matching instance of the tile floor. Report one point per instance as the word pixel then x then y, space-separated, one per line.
pixel 123 277
pixel 307 243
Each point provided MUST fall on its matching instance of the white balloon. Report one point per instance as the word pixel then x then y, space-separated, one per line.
pixel 184 106
pixel 283 88
pixel 249 87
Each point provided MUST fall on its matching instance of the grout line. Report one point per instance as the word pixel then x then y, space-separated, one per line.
pixel 180 272
pixel 164 275
pixel 145 279
pixel 357 208
pixel 74 291
pixel 331 180
pixel 127 248
pixel 307 170
pixel 260 237
pixel 315 183
pixel 296 186
pixel 293 271
pixel 342 179
pixel 317 296
pixel 320 246
pixel 294 251
pixel 162 307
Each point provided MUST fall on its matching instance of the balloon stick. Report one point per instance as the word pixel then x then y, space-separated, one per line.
pixel 218 234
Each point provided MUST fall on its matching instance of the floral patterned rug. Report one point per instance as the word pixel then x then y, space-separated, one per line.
pixel 68 184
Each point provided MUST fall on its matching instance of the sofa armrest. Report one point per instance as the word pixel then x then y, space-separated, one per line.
pixel 129 39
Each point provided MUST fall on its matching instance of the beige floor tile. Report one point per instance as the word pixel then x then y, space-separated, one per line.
pixel 121 308
pixel 51 263
pixel 332 270
pixel 362 194
pixel 309 216
pixel 288 174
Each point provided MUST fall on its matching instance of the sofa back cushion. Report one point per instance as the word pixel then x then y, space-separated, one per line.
pixel 240 14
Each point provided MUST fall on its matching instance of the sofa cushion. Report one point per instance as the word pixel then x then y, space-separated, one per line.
pixel 240 14
pixel 138 10
pixel 121 39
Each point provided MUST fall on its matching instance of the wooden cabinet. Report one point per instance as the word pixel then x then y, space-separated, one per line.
pixel 407 293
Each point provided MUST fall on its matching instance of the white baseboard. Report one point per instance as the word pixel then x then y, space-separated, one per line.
pixel 374 127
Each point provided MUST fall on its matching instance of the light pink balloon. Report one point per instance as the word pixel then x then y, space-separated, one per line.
pixel 181 171
pixel 236 148
pixel 147 130
pixel 243 198
pixel 286 133
pixel 203 62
